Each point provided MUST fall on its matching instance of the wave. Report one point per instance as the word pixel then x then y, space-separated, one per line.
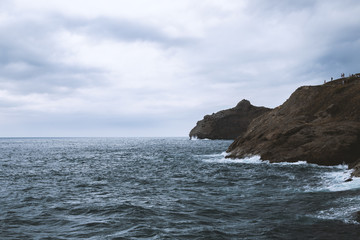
pixel 335 181
pixel 345 214
pixel 195 138
pixel 332 178
pixel 221 158
pixel 256 159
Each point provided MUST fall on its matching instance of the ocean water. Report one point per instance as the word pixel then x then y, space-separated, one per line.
pixel 166 188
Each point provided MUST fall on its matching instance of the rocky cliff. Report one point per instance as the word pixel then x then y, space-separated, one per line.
pixel 227 124
pixel 317 124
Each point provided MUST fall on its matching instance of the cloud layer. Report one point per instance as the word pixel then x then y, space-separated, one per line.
pixel 140 68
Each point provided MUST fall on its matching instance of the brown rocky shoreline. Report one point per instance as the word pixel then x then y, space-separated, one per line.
pixel 317 124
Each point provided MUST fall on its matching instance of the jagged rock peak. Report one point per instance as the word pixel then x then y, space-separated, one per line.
pixel 229 123
pixel 243 104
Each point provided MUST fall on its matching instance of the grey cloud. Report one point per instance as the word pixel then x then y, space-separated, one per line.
pixel 123 30
pixel 335 39
pixel 344 57
pixel 280 6
pixel 26 61
pixel 29 43
pixel 341 42
pixel 45 77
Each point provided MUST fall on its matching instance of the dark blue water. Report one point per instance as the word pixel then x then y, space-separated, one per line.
pixel 166 188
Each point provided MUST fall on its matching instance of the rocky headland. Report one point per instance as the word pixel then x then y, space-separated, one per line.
pixel 227 124
pixel 317 124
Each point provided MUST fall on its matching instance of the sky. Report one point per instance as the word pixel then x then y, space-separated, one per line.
pixel 153 68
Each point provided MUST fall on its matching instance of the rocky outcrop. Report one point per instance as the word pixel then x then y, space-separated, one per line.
pixel 357 216
pixel 317 124
pixel 356 168
pixel 227 124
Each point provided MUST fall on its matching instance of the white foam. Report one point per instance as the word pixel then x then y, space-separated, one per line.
pixel 292 163
pixel 345 214
pixel 342 166
pixel 256 159
pixel 332 177
pixel 334 181
pixel 221 158
pixel 194 138
pixel 345 210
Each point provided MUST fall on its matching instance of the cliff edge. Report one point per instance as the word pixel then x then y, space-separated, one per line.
pixel 227 124
pixel 317 124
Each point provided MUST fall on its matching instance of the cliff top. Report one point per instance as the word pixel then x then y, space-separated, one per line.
pixel 319 124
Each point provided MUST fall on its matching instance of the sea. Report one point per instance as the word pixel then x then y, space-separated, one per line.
pixel 166 188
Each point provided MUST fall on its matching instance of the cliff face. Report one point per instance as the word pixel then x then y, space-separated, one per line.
pixel 227 124
pixel 317 124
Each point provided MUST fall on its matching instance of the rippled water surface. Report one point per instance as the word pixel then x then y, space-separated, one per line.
pixel 166 188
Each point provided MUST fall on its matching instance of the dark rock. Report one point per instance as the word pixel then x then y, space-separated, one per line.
pixel 317 124
pixel 356 168
pixel 357 216
pixel 227 124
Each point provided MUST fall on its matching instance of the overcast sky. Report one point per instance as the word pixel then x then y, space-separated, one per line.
pixel 155 67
